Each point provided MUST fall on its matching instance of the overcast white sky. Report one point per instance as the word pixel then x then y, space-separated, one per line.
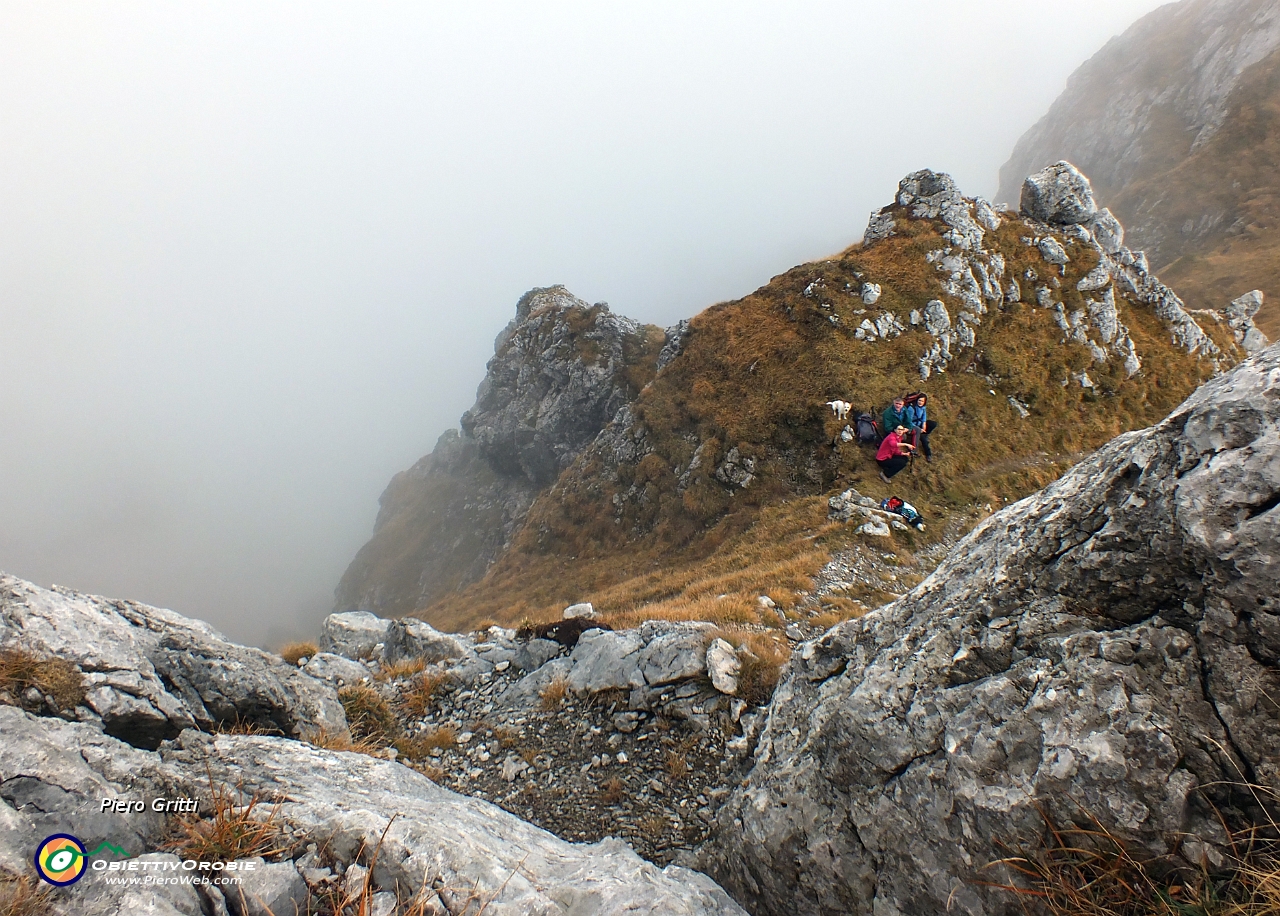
pixel 253 255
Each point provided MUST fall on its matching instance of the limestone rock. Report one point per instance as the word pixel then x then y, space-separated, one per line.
pixel 579 610
pixel 1101 649
pixel 438 840
pixel 1240 318
pixel 1107 231
pixel 673 343
pixel 269 889
pixel 354 634
pixel 150 673
pixel 1060 195
pixel 551 385
pixel 412 638
pixel 327 666
pixel 1052 251
pixel 870 293
pixel 724 667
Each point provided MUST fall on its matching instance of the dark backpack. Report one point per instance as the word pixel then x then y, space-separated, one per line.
pixel 867 429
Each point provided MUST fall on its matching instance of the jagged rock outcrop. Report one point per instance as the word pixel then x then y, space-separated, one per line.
pixel 561 370
pixel 1107 648
pixel 150 673
pixel 1176 122
pixel 1057 203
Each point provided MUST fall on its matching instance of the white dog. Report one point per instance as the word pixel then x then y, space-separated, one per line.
pixel 840 409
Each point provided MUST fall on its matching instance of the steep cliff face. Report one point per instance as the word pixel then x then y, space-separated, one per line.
pixel 1036 335
pixel 1176 123
pixel 561 369
pixel 1106 649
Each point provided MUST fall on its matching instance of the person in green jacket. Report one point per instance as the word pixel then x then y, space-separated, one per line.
pixel 895 415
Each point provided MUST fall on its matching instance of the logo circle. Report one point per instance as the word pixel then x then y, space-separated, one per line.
pixel 61 859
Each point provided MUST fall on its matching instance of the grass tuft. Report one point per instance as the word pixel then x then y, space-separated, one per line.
pixel 553 695
pixel 369 715
pixel 416 699
pixel 21 895
pixel 1089 871
pixel 54 677
pixel 230 831
pixel 298 650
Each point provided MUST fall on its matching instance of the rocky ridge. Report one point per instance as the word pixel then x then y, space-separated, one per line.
pixel 1040 332
pixel 1105 649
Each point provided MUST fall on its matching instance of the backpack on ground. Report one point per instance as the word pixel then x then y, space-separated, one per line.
pixel 901 507
pixel 867 429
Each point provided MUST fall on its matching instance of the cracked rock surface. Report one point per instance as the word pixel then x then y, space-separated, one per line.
pixel 1106 648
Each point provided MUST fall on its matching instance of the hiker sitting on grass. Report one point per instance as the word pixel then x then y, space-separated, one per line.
pixel 895 415
pixel 917 416
pixel 895 453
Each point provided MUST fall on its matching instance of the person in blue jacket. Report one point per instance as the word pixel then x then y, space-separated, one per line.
pixel 916 413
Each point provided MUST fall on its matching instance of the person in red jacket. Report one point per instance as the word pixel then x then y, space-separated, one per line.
pixel 894 453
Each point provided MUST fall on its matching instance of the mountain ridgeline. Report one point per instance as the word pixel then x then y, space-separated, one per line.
pixel 1177 121
pixel 687 473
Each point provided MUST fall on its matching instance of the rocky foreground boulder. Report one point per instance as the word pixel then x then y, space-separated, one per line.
pixel 150 706
pixel 1105 649
pixel 149 673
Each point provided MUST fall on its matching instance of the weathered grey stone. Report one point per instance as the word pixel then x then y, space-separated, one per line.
pixel 1104 649
pixel 1058 194
pixel 1107 231
pixel 870 293
pixel 1240 318
pixel 604 660
pixel 151 673
pixel 334 668
pixel 466 845
pixel 412 638
pixel 545 397
pixel 346 801
pixel 936 318
pixel 1052 251
pixel 535 653
pixel 354 634
pixel 269 889
pixel 675 652
pixel 579 610
pixel 724 667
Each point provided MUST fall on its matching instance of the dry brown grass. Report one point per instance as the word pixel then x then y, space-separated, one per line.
pixel 369 715
pixel 54 677
pixel 298 650
pixel 1089 871
pixel 553 695
pixel 420 746
pixel 397 671
pixel 613 791
pixel 332 741
pixel 21 895
pixel 676 764
pixel 230 831
pixel 246 727
pixel 417 698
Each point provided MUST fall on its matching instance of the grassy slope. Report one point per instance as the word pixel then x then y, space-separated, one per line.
pixel 1236 173
pixel 754 374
